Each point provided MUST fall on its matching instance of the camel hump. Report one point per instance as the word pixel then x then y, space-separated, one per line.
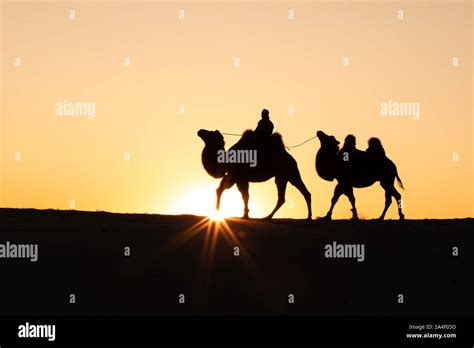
pixel 278 141
pixel 274 143
pixel 244 141
pixel 247 134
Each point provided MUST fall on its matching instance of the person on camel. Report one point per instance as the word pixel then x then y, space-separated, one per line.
pixel 375 149
pixel 264 129
pixel 348 149
pixel 376 153
pixel 349 154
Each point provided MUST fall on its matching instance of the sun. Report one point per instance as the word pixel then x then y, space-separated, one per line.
pixel 202 201
pixel 216 216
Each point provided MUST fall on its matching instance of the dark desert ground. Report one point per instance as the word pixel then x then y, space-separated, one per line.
pixel 82 253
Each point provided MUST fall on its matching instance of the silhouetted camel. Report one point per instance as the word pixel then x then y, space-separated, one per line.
pixel 273 161
pixel 363 171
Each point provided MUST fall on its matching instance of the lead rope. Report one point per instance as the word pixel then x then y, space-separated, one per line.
pixel 287 147
pixel 304 142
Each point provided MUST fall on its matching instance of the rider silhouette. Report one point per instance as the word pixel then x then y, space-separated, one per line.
pixel 376 154
pixel 349 156
pixel 375 149
pixel 349 146
pixel 264 128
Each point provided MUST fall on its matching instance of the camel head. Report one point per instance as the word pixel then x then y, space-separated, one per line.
pixel 328 142
pixel 214 141
pixel 211 138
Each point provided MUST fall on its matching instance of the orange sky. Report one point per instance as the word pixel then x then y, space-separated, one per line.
pixel 190 62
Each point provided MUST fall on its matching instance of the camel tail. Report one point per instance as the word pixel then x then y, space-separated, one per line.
pixel 399 181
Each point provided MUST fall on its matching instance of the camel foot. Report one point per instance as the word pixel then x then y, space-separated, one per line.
pixel 402 217
pixel 246 217
pixel 354 214
pixel 355 218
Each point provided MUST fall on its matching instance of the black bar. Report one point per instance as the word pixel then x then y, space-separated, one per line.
pixel 238 329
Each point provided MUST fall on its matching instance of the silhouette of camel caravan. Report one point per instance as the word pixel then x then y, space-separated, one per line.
pixel 355 168
pixel 251 159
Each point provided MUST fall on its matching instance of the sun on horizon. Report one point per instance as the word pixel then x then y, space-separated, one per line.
pixel 201 201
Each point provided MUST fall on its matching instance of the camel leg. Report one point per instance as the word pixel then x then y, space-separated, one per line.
pixel 298 183
pixel 350 194
pixel 244 190
pixel 281 187
pixel 388 201
pixel 226 182
pixel 398 198
pixel 338 191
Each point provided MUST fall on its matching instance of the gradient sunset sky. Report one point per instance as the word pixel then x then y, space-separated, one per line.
pixel 141 153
